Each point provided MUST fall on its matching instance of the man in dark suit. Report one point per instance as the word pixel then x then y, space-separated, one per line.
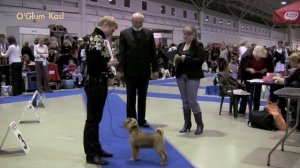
pixel 137 57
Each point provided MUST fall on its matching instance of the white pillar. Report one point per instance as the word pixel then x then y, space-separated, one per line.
pixel 292 34
pixel 238 26
pixel 200 20
pixel 83 18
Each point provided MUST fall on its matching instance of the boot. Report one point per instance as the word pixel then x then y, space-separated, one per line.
pixel 200 126
pixel 187 121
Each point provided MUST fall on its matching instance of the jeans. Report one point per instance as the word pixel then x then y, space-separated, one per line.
pixel 188 90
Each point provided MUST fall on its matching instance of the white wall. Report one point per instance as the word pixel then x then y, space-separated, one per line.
pixel 83 23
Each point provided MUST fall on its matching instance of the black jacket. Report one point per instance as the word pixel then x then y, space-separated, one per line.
pixel 28 51
pixel 294 79
pixel 96 61
pixel 137 55
pixel 192 65
pixel 244 64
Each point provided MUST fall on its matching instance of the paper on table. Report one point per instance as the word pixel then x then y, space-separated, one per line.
pixel 240 92
pixel 255 81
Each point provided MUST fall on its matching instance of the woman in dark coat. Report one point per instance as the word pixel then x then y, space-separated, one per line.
pixel 188 73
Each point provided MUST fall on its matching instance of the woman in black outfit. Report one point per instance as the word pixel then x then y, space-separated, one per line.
pixel 98 63
pixel 188 74
pixel 27 50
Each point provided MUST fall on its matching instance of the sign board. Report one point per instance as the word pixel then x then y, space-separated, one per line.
pixel 38 31
pixel 19 136
pixel 37 100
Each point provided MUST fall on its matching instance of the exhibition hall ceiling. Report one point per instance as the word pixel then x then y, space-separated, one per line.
pixel 254 10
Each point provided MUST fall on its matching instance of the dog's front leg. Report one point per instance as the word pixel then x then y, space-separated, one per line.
pixel 135 153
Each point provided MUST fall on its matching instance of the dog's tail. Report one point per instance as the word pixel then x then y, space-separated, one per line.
pixel 160 131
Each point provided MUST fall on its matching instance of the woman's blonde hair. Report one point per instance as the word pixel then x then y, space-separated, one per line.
pixel 108 21
pixel 294 57
pixel 191 30
pixel 259 49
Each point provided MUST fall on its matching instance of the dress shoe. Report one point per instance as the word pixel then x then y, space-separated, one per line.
pixel 145 125
pixel 241 112
pixel 96 160
pixel 105 154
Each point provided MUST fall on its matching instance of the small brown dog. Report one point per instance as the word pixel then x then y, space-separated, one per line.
pixel 139 139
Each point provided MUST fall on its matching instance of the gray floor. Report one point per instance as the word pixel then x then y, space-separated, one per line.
pixel 225 143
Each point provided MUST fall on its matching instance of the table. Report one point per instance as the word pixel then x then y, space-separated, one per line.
pixel 288 93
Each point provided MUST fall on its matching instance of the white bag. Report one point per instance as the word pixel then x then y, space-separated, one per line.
pixel 279 67
pixel 204 66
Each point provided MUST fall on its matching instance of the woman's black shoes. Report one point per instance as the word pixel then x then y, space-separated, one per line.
pixel 186 128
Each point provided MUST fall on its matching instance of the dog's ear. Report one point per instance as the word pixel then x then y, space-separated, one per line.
pixel 134 126
pixel 127 120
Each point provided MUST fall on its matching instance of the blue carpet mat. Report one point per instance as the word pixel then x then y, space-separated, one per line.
pixel 171 80
pixel 114 138
pixel 13 99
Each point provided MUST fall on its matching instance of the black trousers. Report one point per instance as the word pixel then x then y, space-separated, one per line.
pixel 274 98
pixel 256 97
pixel 16 78
pixel 96 93
pixel 139 86
pixel 42 78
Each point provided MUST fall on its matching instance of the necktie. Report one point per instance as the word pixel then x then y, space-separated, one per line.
pixel 138 34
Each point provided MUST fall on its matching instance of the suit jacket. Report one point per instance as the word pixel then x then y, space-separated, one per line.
pixel 192 65
pixel 246 58
pixel 137 55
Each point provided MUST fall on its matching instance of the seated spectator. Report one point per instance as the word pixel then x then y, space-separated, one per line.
pixel 65 55
pixel 233 65
pixel 26 62
pixel 53 52
pixel 27 50
pixel 293 80
pixel 74 72
pixel 165 73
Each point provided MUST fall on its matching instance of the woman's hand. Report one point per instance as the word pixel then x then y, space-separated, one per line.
pixel 182 58
pixel 251 70
pixel 112 62
pixel 263 71
pixel 278 79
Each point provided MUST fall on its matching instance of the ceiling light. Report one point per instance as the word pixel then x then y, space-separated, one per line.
pixel 283 2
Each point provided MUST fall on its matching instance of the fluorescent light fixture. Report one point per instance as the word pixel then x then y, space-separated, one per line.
pixel 283 2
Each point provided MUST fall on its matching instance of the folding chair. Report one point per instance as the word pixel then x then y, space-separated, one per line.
pixel 54 78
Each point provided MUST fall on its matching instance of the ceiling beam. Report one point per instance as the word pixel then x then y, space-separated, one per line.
pixel 230 10
pixel 206 5
pixel 256 13
pixel 195 4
